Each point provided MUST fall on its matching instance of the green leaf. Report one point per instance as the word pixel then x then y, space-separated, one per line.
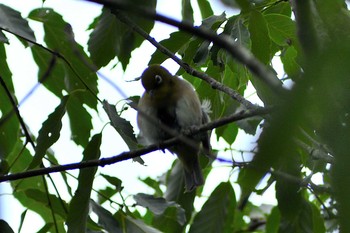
pixel 49 132
pixel 54 80
pixel 282 8
pixel 273 221
pixel 79 118
pixel 79 206
pixel 23 216
pixel 12 21
pixel 174 43
pixel 5 227
pixel 122 126
pixel 153 184
pixel 9 124
pixel 282 29
pixel 205 8
pixel 58 205
pixel 114 181
pixel 104 42
pixel 59 37
pixel 259 35
pixel 217 212
pixel 289 60
pixel 105 218
pixel 187 11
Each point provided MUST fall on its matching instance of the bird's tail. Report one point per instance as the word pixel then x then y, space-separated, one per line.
pixel 193 176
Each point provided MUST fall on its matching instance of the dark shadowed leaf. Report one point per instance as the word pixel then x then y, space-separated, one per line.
pixel 187 11
pixel 106 219
pixel 114 181
pixel 5 227
pixel 9 125
pixel 12 21
pixel 217 212
pixel 49 132
pixel 122 126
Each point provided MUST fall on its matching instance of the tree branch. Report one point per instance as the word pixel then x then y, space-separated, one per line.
pixel 133 154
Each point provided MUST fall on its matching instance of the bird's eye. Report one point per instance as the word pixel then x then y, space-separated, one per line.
pixel 158 79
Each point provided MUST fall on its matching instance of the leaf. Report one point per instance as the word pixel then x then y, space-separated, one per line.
pixel 217 212
pixel 175 189
pixel 137 226
pixel 49 132
pixel 174 43
pixel 3 38
pixel 289 61
pixel 205 8
pixel 79 118
pixel 5 227
pixel 9 125
pixel 159 205
pixel 59 38
pixel 259 35
pixel 114 181
pixel 12 21
pixel 187 11
pixel 282 29
pixel 122 126
pixel 105 218
pixel 104 42
pixel 54 81
pixel 273 221
pixel 79 206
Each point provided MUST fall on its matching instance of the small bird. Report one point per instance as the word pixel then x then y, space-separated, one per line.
pixel 172 102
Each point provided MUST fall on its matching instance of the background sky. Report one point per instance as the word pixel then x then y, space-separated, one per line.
pixel 41 103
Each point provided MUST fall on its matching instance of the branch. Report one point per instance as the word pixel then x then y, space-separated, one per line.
pixel 190 70
pixel 237 51
pixel 133 154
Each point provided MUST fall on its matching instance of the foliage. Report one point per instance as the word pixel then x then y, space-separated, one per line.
pixel 302 132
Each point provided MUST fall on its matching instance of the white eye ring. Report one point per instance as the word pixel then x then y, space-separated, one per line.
pixel 158 79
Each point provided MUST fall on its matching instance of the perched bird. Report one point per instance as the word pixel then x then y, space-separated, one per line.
pixel 172 102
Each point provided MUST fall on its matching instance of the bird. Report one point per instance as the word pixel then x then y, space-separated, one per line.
pixel 172 102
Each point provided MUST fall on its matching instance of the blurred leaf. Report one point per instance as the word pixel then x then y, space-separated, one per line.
pixel 158 206
pixel 187 11
pixel 289 60
pixel 105 194
pixel 217 212
pixel 3 38
pixel 259 36
pixel 282 8
pixel 49 133
pixel 9 125
pixel 5 227
pixel 153 184
pixel 23 216
pixel 12 21
pixel 244 5
pixel 79 205
pixel 56 204
pixel 105 218
pixel 175 189
pixel 205 8
pixel 282 29
pixel 273 221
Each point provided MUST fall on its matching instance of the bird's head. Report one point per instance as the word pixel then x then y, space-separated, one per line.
pixel 157 81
